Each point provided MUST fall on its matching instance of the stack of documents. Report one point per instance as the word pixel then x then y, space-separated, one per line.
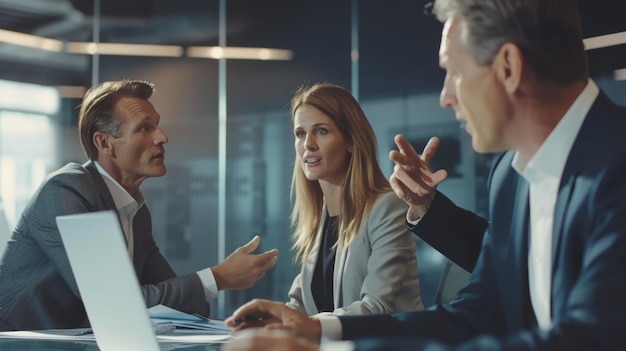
pixel 187 323
pixel 188 329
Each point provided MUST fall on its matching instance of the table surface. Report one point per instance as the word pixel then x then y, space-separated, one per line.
pixel 55 345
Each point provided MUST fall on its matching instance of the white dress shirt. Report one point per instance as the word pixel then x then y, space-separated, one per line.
pixel 543 173
pixel 127 207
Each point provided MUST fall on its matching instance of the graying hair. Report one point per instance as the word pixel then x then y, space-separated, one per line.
pixel 546 31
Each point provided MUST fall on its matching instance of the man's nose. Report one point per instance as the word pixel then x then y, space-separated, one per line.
pixel 161 137
pixel 447 98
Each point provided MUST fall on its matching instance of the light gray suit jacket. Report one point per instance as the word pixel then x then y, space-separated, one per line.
pixel 376 273
pixel 37 287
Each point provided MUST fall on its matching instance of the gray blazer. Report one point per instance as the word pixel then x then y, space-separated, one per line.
pixel 37 287
pixel 376 273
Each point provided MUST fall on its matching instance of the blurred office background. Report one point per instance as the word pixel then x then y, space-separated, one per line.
pixel 230 153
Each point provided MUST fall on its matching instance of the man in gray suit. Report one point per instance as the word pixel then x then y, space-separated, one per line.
pixel 120 134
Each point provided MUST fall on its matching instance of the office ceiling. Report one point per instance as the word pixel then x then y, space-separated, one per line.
pixel 398 43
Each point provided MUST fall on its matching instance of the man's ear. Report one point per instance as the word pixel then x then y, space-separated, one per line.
pixel 508 64
pixel 103 143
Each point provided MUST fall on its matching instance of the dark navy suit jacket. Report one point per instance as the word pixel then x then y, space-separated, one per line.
pixel 588 297
pixel 453 231
pixel 37 287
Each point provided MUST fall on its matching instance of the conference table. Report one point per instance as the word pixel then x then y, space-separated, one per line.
pixel 11 344
pixel 174 330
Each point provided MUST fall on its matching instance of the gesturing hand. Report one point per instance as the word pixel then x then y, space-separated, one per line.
pixel 412 180
pixel 242 269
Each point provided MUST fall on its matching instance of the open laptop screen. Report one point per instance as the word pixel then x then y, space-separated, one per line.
pixel 106 280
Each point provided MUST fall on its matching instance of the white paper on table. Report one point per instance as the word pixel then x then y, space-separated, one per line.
pixel 160 313
pixel 71 335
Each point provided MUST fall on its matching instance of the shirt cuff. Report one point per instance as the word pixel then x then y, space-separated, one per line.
pixel 209 283
pixel 412 222
pixel 337 346
pixel 331 327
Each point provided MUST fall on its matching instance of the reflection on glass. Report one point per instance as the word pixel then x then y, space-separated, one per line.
pixel 26 142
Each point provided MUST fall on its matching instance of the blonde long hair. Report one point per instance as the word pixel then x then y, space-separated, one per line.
pixel 364 180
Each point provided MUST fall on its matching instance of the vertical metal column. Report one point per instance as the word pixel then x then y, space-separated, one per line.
pixel 221 172
pixel 355 49
pixel 95 58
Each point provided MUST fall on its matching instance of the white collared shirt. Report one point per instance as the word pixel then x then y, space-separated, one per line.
pixel 125 204
pixel 127 208
pixel 543 173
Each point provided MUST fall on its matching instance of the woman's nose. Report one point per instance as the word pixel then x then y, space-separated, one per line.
pixel 309 141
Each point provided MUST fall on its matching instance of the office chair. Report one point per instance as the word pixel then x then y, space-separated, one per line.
pixel 453 279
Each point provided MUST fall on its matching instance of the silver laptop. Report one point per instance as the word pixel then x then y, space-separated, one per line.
pixel 106 280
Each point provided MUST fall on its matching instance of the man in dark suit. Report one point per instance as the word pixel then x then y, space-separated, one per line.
pixel 550 272
pixel 120 134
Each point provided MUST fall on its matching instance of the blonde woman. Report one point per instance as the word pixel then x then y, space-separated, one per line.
pixel 349 232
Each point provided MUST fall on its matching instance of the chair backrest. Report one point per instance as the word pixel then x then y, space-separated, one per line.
pixel 453 279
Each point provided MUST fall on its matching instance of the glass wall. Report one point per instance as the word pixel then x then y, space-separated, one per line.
pixel 27 142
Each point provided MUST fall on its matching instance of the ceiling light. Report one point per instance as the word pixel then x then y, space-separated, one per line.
pixel 239 53
pixel 602 41
pixel 31 41
pixel 124 49
pixel 91 48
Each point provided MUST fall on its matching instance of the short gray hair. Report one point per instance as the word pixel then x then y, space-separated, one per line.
pixel 546 31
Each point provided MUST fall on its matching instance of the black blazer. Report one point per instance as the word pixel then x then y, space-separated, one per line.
pixel 37 287
pixel 589 260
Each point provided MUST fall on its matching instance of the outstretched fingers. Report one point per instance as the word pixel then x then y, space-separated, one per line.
pixel 267 260
pixel 251 245
pixel 430 149
pixel 419 183
pixel 405 147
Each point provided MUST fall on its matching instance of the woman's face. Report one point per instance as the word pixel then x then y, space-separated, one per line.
pixel 321 148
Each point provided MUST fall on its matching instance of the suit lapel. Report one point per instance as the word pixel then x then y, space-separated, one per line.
pixel 309 268
pixel 107 199
pixel 509 216
pixel 520 304
pixel 103 190
pixel 563 200
pixel 341 256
